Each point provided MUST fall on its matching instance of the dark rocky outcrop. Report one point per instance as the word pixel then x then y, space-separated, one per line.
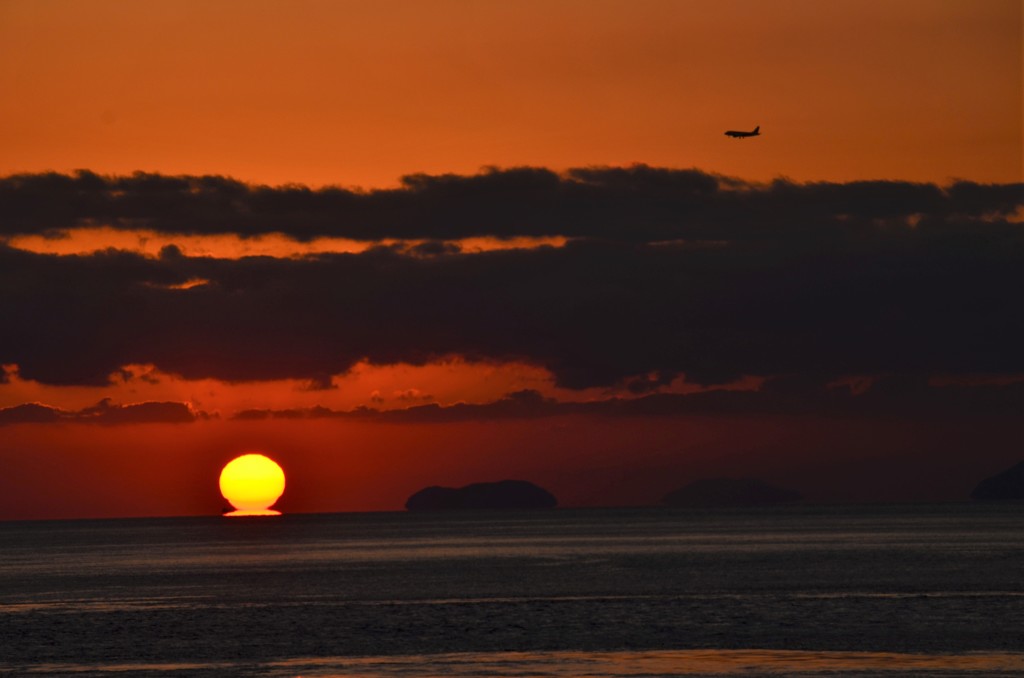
pixel 505 494
pixel 720 492
pixel 1005 486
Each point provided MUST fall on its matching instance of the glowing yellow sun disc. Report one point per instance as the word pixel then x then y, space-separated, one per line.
pixel 252 483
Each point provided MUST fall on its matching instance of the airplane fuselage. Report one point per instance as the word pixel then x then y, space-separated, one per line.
pixel 742 135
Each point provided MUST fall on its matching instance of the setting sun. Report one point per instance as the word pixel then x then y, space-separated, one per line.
pixel 252 483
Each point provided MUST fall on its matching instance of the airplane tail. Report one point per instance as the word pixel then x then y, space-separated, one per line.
pixel 757 130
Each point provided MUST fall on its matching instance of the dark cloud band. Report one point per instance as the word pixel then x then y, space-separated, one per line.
pixel 104 413
pixel 939 298
pixel 635 204
pixel 887 397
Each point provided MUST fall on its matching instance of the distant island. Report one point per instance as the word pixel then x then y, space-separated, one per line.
pixel 723 492
pixel 505 494
pixel 1005 486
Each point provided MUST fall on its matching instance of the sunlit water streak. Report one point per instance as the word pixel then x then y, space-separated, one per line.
pixel 803 590
pixel 650 664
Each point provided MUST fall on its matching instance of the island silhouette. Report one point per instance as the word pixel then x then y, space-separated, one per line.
pixel 1006 485
pixel 504 494
pixel 725 492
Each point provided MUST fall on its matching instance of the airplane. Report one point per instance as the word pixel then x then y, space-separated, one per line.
pixel 741 135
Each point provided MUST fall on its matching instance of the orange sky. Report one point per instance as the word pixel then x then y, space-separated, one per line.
pixel 360 93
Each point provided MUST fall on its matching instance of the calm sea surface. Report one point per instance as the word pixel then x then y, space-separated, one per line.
pixel 849 591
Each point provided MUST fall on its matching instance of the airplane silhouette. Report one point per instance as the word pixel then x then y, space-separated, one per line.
pixel 741 135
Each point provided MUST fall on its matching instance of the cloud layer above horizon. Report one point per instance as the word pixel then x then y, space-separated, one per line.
pixel 634 204
pixel 664 273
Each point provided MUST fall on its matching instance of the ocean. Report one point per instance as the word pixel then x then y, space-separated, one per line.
pixel 800 590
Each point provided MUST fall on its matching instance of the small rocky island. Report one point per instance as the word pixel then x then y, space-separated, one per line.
pixel 725 492
pixel 505 494
pixel 1005 486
